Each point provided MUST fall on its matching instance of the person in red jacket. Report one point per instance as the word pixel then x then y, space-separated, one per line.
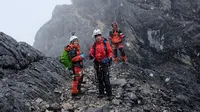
pixel 101 52
pixel 77 62
pixel 116 37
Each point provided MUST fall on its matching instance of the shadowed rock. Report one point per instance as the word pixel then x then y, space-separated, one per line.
pixel 27 75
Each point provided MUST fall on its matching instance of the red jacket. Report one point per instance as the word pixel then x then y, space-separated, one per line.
pixel 100 50
pixel 75 53
pixel 116 36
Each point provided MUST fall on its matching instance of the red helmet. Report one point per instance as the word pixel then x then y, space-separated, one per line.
pixel 114 23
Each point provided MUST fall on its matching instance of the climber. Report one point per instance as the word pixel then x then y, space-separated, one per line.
pixel 116 37
pixel 101 52
pixel 72 58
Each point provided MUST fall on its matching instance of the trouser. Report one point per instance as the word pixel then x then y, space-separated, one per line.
pixel 76 83
pixel 102 71
pixel 121 49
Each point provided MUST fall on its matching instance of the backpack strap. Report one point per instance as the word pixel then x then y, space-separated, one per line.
pixel 105 47
pixel 95 49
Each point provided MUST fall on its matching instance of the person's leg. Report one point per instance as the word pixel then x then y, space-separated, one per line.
pixel 75 83
pixel 121 49
pixel 100 80
pixel 106 79
pixel 114 47
pixel 80 80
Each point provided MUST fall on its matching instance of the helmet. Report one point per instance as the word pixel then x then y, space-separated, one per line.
pixel 114 23
pixel 96 32
pixel 72 38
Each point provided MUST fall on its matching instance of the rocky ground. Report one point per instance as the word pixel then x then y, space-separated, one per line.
pixel 137 90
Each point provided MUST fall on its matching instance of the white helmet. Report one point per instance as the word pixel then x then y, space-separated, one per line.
pixel 96 32
pixel 72 38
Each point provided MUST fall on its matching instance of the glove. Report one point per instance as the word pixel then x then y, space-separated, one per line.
pixel 110 61
pixel 82 55
pixel 91 57
pixel 105 60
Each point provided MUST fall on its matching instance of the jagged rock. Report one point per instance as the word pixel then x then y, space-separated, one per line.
pixel 156 31
pixel 116 102
pixel 162 38
pixel 48 111
pixel 27 76
pixel 67 106
pixel 38 100
pixel 55 107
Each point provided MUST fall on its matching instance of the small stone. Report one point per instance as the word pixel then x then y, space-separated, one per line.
pixel 164 110
pixel 167 79
pixel 55 107
pixel 91 91
pixel 56 90
pixel 151 74
pixel 27 104
pixel 116 101
pixel 38 100
pixel 132 96
pixel 48 111
pixel 43 105
pixel 67 106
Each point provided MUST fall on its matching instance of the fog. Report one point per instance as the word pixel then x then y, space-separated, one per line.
pixel 21 19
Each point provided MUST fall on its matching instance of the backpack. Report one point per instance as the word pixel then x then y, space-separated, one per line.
pixel 66 59
pixel 105 47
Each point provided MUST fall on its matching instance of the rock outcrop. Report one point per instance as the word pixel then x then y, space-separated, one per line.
pixel 157 30
pixel 31 82
pixel 27 76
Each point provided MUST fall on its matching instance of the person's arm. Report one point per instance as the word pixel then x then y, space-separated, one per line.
pixel 91 54
pixel 75 57
pixel 121 34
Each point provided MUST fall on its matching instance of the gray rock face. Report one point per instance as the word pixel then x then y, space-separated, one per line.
pixel 26 76
pixel 31 82
pixel 162 37
pixel 157 30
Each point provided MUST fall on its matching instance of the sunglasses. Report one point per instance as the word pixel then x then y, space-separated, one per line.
pixel 97 35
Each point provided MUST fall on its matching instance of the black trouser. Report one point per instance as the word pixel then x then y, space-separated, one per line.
pixel 102 71
pixel 121 51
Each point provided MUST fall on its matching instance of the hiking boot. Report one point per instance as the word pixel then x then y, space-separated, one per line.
pixel 110 98
pixel 124 59
pixel 100 96
pixel 116 60
pixel 73 94
pixel 77 97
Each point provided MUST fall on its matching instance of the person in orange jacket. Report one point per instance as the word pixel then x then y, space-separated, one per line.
pixel 101 52
pixel 77 57
pixel 116 37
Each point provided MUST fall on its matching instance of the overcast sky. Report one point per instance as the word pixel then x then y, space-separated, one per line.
pixel 21 19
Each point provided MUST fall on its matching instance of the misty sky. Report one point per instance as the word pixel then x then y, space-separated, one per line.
pixel 21 19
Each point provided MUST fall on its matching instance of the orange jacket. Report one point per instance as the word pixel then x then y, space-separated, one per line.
pixel 74 52
pixel 116 36
pixel 100 50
